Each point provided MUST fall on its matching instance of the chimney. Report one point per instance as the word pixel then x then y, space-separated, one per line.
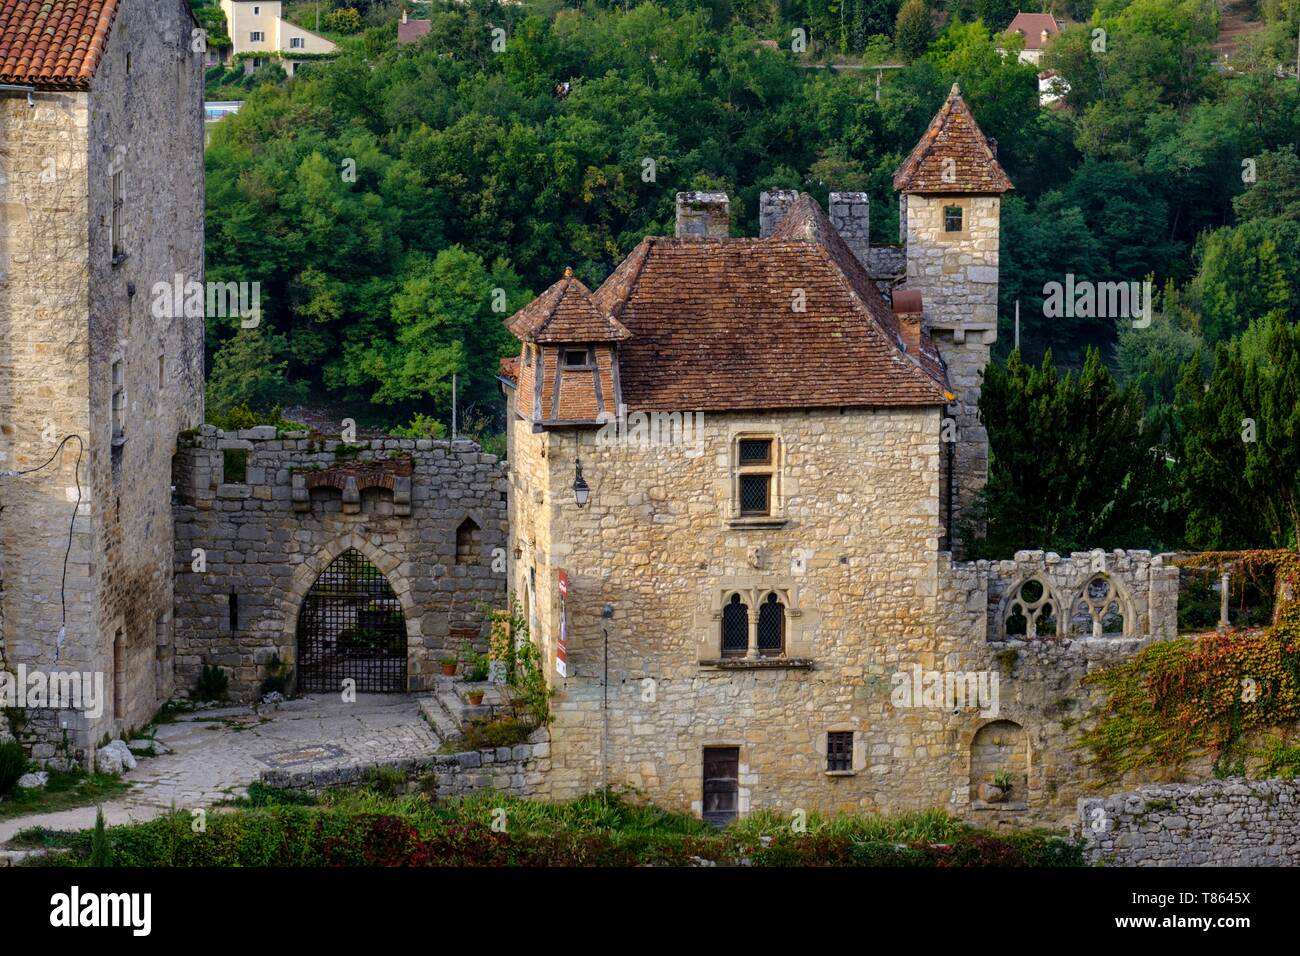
pixel 851 216
pixel 404 19
pixel 993 146
pixel 772 206
pixel 703 216
pixel 907 306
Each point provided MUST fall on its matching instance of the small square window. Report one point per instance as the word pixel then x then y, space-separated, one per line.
pixel 576 358
pixel 839 750
pixel 756 451
pixel 952 218
pixel 297 43
pixel 754 494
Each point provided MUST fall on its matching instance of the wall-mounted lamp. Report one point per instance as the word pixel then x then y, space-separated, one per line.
pixel 580 489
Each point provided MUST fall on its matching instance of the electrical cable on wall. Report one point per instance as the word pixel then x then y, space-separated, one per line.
pixel 76 475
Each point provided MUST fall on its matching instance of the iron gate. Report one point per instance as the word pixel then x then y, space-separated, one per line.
pixel 351 626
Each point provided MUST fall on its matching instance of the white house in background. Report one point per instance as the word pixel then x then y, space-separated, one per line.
pixel 1051 87
pixel 1038 29
pixel 256 26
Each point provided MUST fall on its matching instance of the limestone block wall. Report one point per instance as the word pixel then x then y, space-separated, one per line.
pixel 853 558
pixel 1234 822
pixel 957 276
pixel 146 124
pixel 518 771
pixel 1039 677
pixel 267 538
pixel 68 315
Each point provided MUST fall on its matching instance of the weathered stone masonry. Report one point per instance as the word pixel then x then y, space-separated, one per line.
pixel 306 500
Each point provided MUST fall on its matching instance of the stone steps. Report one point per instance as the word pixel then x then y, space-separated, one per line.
pixel 447 709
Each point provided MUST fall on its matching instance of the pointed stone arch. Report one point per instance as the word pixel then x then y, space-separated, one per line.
pixel 307 573
pixel 1042 615
pixel 1101 608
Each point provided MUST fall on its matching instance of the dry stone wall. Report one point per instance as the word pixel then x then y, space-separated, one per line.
pixel 1234 822
pixel 304 501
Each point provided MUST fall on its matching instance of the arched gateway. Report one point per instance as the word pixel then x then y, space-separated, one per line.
pixel 351 625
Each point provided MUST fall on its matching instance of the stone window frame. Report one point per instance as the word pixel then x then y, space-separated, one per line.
pixel 753 590
pixel 116 215
pixel 964 204
pixel 117 404
pixel 858 760
pixel 776 510
pixel 1012 598
pixel 1117 595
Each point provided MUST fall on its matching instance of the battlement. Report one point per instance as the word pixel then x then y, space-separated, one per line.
pixel 261 515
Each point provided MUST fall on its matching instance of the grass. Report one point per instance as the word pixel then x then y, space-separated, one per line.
pixel 65 790
pixel 373 826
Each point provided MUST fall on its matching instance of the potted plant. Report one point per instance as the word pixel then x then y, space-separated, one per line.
pixel 998 790
pixel 476 665
pixel 448 665
pixel 475 697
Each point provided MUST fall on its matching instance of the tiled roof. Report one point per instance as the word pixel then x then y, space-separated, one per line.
pixel 510 368
pixel 953 157
pixel 53 44
pixel 412 30
pixel 713 327
pixel 1032 25
pixel 565 313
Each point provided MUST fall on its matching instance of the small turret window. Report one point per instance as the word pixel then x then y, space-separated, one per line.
pixel 576 358
pixel 952 219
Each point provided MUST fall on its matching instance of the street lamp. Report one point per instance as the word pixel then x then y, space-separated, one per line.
pixel 580 489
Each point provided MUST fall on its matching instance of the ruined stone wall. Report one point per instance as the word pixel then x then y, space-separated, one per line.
pixel 1235 822
pixel 146 122
pixel 1043 703
pixel 303 502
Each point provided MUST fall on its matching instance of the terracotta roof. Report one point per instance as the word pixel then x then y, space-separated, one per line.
pixel 953 157
pixel 565 313
pixel 510 368
pixel 53 44
pixel 1032 25
pixel 712 326
pixel 412 30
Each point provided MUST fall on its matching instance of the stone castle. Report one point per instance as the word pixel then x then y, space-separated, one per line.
pixel 729 512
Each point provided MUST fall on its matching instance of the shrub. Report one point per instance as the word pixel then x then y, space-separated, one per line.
pixel 212 684
pixel 101 851
pixel 277 678
pixel 13 764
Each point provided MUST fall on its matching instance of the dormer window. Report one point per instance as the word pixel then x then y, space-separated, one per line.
pixel 577 358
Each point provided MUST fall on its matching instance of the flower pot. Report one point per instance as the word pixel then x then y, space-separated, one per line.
pixel 475 697
pixel 449 670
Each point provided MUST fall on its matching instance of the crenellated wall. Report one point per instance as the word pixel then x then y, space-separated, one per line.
pixel 302 503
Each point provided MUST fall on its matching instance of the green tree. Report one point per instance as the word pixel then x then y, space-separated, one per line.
pixel 913 30
pixel 245 372
pixel 1239 468
pixel 1070 462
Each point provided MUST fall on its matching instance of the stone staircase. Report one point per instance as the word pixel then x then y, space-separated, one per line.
pixel 447 708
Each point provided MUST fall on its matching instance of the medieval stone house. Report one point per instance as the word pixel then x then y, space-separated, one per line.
pixel 101 198
pixel 736 471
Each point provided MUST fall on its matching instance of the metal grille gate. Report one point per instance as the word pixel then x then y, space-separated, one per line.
pixel 351 626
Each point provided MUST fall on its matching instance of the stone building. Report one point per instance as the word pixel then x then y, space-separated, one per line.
pixel 101 200
pixel 735 470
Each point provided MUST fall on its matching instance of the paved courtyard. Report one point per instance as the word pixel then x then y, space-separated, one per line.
pixel 217 753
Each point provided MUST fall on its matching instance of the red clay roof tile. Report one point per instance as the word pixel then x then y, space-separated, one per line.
pixel 953 157
pixel 713 327
pixel 53 44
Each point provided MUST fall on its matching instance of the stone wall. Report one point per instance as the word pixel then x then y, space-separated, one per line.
pixel 1235 822
pixel 68 313
pixel 957 276
pixel 854 560
pixel 518 771
pixel 304 501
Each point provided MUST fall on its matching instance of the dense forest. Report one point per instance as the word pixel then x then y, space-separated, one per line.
pixel 396 203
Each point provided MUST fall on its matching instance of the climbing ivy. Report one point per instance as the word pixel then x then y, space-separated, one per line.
pixel 1179 699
